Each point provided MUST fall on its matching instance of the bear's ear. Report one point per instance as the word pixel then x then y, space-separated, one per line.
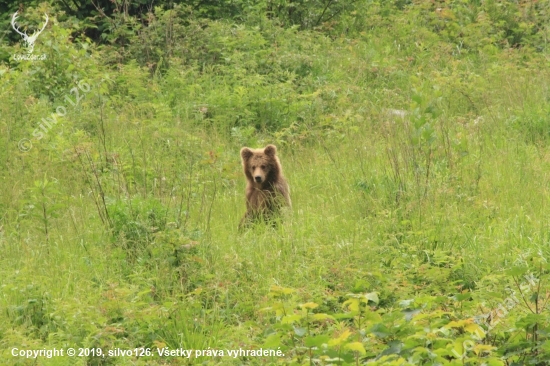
pixel 270 150
pixel 246 153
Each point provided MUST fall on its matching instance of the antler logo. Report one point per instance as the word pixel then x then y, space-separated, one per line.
pixel 29 40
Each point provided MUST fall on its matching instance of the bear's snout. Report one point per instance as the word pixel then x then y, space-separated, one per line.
pixel 258 179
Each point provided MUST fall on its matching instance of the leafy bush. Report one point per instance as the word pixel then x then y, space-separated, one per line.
pixel 135 221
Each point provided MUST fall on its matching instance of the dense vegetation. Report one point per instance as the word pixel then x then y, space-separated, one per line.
pixel 415 136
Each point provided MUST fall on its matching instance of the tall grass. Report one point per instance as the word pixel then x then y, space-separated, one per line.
pixel 119 228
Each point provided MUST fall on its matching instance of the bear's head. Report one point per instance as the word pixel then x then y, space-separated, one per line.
pixel 261 165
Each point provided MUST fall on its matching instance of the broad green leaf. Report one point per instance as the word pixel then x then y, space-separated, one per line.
pixel 380 330
pixel 372 296
pixel 309 305
pixel 352 305
pixel 340 339
pixel 299 331
pixel 317 317
pixel 316 341
pixel 357 347
pixel 273 341
pixel 289 319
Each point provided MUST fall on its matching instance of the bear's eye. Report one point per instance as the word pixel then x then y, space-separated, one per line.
pixel 263 166
pixel 253 166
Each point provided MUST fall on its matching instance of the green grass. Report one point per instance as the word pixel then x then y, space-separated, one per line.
pixel 119 229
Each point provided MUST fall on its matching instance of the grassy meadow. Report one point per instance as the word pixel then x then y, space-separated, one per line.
pixel 416 142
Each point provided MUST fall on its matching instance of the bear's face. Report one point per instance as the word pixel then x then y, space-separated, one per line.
pixel 259 164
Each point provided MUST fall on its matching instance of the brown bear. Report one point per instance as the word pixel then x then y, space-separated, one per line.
pixel 266 188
